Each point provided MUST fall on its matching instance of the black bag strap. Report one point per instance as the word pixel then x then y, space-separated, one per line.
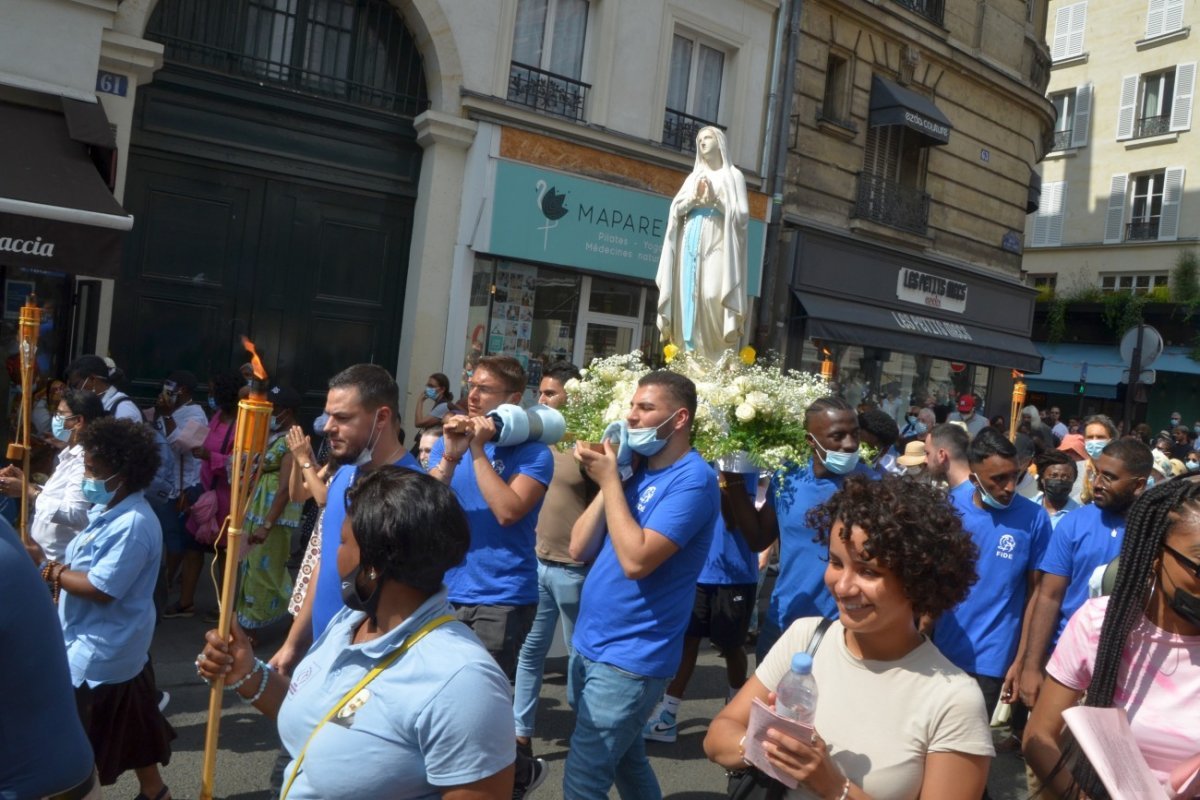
pixel 817 635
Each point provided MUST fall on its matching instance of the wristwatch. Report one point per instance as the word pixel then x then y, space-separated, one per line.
pixel 306 465
pixel 267 525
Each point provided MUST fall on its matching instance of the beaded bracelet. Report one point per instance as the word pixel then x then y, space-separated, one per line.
pixel 51 572
pixel 231 687
pixel 262 685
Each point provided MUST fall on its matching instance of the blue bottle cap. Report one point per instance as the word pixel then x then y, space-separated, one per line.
pixel 802 663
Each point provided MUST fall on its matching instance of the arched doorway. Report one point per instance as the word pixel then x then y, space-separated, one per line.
pixel 273 176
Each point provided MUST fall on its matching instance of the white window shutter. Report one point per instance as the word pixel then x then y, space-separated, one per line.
pixel 1062 33
pixel 1114 221
pixel 1168 224
pixel 1185 90
pixel 1048 221
pixel 1083 115
pixel 1078 23
pixel 1128 108
pixel 1154 18
pixel 1172 16
pixel 1054 227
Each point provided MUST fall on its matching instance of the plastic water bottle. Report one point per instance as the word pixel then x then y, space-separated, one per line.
pixel 796 694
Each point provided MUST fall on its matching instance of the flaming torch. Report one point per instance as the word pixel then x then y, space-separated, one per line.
pixel 27 338
pixel 1018 401
pixel 249 445
pixel 828 368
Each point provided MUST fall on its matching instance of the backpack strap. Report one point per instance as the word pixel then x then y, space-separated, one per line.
pixel 817 635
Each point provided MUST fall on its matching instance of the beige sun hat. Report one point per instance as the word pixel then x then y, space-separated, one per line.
pixel 914 454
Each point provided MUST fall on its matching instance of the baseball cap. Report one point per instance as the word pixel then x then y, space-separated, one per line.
pixel 965 403
pixel 182 379
pixel 284 397
pixel 1073 443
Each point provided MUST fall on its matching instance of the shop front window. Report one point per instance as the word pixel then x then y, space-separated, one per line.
pixel 872 375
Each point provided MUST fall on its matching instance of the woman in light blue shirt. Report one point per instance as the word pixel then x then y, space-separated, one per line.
pixel 105 591
pixel 394 686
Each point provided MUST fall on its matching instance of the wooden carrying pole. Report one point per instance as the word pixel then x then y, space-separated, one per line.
pixel 27 338
pixel 250 443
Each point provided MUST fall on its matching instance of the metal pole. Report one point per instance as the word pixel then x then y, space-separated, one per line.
pixel 1135 374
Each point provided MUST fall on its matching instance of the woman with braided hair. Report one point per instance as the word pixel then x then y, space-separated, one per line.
pixel 1138 649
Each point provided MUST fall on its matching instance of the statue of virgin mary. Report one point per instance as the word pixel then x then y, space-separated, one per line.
pixel 702 270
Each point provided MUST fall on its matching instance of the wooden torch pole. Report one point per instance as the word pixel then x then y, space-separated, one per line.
pixel 27 338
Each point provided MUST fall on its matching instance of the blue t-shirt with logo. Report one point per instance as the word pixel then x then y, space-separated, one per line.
pixel 730 560
pixel 980 634
pixel 501 564
pixel 638 625
pixel 1085 539
pixel 800 589
pixel 328 598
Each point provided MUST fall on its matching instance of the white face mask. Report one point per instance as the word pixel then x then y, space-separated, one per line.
pixel 645 441
pixel 368 452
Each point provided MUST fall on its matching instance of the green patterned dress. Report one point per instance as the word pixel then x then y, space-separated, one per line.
pixel 265 585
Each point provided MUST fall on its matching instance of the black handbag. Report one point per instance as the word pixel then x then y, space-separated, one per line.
pixel 751 783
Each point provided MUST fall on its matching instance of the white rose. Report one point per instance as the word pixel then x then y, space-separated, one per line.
pixel 745 412
pixel 572 385
pixel 759 400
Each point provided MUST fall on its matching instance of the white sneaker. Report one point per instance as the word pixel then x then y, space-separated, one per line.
pixel 661 727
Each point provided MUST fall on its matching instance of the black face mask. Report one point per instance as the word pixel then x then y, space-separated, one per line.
pixel 353 598
pixel 1186 605
pixel 1057 488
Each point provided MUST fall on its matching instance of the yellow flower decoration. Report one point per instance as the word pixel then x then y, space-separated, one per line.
pixel 747 354
pixel 669 352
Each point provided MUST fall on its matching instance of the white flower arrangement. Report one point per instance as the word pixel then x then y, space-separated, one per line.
pixel 743 404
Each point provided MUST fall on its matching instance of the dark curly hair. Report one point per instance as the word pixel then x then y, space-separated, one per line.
pixel 912 530
pixel 225 386
pixel 127 448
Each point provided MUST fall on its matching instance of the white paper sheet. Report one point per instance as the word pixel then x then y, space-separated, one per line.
pixel 1104 736
pixel 762 719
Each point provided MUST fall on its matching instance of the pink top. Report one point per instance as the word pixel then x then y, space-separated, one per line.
pixel 213 474
pixel 1158 681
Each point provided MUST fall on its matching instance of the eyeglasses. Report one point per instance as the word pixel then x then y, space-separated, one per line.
pixel 476 387
pixel 1185 562
pixel 65 419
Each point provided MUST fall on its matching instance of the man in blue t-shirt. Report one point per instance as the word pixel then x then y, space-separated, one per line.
pixel 725 598
pixel 363 431
pixel 982 634
pixel 832 426
pixel 649 536
pixel 495 589
pixel 1085 540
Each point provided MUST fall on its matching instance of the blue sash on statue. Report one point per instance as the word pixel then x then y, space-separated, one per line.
pixel 689 266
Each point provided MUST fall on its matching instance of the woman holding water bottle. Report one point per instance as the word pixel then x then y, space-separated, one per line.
pixel 894 718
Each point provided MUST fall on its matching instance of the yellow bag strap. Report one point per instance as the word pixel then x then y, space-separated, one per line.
pixel 383 664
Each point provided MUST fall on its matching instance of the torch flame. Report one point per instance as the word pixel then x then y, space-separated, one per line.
pixel 1017 375
pixel 259 371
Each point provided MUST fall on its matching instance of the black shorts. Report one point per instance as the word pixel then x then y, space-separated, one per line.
pixel 501 629
pixel 722 614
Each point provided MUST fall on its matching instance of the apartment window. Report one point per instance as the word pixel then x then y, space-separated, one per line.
pixel 1069 23
pixel 932 10
pixel 1047 223
pixel 1153 201
pixel 1156 103
pixel 891 185
pixel 835 105
pixel 1135 283
pixel 1064 120
pixel 1045 284
pixel 1163 17
pixel 693 90
pixel 547 56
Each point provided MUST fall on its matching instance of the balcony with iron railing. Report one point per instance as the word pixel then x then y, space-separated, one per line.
pixel 902 207
pixel 546 91
pixel 680 129
pixel 932 10
pixel 1142 230
pixel 1152 126
pixel 1062 140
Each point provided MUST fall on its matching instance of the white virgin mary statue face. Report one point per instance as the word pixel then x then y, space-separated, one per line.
pixel 706 143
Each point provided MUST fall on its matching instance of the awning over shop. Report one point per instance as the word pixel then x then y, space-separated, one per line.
pixel 875 326
pixel 56 212
pixel 892 104
pixel 1064 364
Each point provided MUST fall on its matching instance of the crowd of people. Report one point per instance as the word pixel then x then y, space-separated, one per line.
pixel 934 569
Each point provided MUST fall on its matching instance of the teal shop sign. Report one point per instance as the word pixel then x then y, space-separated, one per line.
pixel 554 218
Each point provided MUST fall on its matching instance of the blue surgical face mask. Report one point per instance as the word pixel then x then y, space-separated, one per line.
pixel 911 418
pixel 95 490
pixel 1150 482
pixel 988 500
pixel 645 441
pixel 59 428
pixel 212 402
pixel 1095 447
pixel 275 424
pixel 1192 466
pixel 431 392
pixel 836 461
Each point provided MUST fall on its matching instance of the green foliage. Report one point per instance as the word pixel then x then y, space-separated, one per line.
pixel 1159 294
pixel 1123 310
pixel 1185 279
pixel 1056 320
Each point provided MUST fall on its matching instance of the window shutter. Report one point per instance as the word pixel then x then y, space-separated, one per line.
pixel 1168 224
pixel 1128 108
pixel 1078 21
pixel 1154 18
pixel 1083 115
pixel 1114 221
pixel 1062 32
pixel 1048 221
pixel 1172 16
pixel 1185 89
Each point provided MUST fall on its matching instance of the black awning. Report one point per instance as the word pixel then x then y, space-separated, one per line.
pixel 895 329
pixel 892 104
pixel 56 212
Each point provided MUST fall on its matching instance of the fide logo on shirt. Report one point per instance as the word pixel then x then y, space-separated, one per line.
pixel 647 496
pixel 498 465
pixel 1007 545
